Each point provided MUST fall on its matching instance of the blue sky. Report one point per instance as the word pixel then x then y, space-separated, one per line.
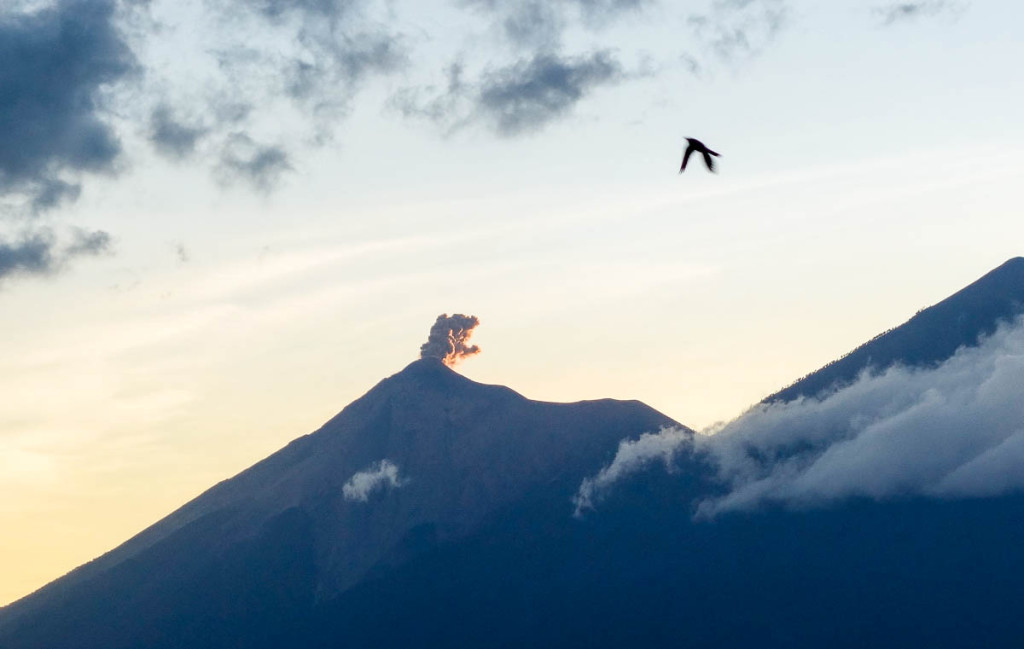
pixel 223 221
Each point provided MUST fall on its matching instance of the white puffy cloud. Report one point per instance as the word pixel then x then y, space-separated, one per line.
pixel 378 476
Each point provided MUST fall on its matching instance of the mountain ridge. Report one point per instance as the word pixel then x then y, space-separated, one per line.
pixel 462 449
pixel 931 336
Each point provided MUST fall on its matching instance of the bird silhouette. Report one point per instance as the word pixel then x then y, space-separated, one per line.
pixel 698 146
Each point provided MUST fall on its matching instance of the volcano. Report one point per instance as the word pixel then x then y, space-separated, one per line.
pixel 436 512
pixel 262 552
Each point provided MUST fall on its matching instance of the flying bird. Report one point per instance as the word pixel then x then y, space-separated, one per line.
pixel 698 146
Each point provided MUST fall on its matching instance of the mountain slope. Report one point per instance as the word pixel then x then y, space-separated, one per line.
pixel 262 548
pixel 931 336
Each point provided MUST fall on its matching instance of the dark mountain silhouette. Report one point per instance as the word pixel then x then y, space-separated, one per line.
pixel 474 543
pixel 930 337
pixel 257 552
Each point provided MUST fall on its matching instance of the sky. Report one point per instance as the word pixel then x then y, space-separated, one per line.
pixel 222 221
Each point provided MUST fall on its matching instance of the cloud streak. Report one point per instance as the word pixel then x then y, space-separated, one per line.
pixel 632 457
pixel 903 11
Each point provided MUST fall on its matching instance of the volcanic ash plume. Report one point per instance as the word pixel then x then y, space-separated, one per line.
pixel 449 338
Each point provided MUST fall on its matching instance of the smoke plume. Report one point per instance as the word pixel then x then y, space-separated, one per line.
pixel 449 338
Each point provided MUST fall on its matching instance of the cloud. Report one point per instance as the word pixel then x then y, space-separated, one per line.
pixel 953 431
pixel 529 94
pixel 55 63
pixel 631 457
pixel 261 166
pixel 738 30
pixel 537 23
pixel 525 24
pixel 448 340
pixel 317 51
pixel 381 475
pixel 173 138
pixel 32 254
pixel 900 11
pixel 88 244
pixel 38 253
pixel 520 98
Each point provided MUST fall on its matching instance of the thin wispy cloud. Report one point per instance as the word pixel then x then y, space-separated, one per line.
pixel 904 11
pixel 632 456
pixel 738 30
pixel 525 24
pixel 261 166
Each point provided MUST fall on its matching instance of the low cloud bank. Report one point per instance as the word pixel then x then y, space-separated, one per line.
pixel 379 476
pixel 953 431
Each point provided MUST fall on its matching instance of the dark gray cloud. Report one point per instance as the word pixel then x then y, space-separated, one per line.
pixel 737 30
pixel 55 63
pixel 520 98
pixel 260 165
pixel 529 94
pixel 32 254
pixel 900 11
pixel 171 137
pixel 88 244
pixel 39 252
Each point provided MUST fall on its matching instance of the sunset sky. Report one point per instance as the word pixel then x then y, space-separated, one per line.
pixel 222 221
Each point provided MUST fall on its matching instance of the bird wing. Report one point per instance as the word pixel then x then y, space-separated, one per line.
pixel 708 160
pixel 686 158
